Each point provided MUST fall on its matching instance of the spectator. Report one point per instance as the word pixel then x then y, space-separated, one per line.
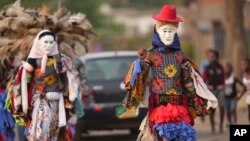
pixel 205 62
pixel 203 65
pixel 246 81
pixel 214 76
pixel 230 92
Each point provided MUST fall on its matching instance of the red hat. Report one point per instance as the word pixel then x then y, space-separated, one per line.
pixel 168 14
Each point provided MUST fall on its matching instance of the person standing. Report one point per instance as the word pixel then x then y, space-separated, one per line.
pixel 246 81
pixel 205 62
pixel 47 84
pixel 202 67
pixel 176 90
pixel 230 92
pixel 214 77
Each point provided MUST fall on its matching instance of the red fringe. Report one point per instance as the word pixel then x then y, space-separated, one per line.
pixel 169 113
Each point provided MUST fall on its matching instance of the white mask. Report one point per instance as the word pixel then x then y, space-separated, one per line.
pixel 167 33
pixel 47 44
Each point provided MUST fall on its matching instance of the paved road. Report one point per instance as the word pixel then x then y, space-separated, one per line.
pixel 203 131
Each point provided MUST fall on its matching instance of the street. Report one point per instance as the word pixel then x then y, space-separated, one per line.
pixel 203 131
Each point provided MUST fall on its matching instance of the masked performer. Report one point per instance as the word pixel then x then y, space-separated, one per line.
pixel 177 94
pixel 45 87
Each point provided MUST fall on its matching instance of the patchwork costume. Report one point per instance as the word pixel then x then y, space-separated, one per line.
pixel 177 93
pixel 44 91
pixel 7 122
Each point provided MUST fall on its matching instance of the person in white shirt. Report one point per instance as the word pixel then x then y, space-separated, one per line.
pixel 246 81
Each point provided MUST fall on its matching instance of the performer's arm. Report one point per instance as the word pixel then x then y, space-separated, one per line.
pixel 237 81
pixel 146 58
pixel 29 66
pixel 195 101
pixel 187 81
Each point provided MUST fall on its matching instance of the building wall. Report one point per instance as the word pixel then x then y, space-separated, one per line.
pixel 206 17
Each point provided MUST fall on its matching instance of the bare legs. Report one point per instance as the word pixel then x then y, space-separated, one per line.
pixel 212 122
pixel 222 115
pixel 211 117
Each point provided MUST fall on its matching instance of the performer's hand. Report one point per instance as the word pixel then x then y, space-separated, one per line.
pixel 188 64
pixel 142 53
pixel 210 111
pixel 198 107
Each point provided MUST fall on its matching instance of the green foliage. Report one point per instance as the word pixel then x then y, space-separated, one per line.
pixel 188 49
pixel 5 2
pixel 38 3
pixel 109 35
pixel 90 8
pixel 107 31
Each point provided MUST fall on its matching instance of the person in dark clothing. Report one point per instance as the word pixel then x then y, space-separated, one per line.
pixel 230 92
pixel 214 77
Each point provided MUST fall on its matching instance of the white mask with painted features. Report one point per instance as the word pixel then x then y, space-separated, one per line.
pixel 167 33
pixel 47 44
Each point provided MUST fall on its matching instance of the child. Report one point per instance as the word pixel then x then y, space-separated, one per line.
pixel 231 93
pixel 246 81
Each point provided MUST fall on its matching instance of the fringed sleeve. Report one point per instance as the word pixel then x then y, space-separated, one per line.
pixel 199 97
pixel 135 84
pixel 19 95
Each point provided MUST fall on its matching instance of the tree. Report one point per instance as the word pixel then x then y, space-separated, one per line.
pixel 235 30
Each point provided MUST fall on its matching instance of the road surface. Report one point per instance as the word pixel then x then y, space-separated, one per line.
pixel 203 131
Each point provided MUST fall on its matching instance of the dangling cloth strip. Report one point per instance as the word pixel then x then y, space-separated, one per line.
pixel 202 90
pixel 136 70
pixel 73 86
pixel 44 62
pixel 35 116
pixel 24 91
pixel 61 113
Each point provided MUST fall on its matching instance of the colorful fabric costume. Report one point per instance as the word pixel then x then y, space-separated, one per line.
pixel 177 93
pixel 7 122
pixel 44 92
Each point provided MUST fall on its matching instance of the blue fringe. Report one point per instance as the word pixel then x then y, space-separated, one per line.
pixel 176 132
pixel 136 70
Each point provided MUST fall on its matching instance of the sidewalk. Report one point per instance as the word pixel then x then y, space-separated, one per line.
pixel 204 130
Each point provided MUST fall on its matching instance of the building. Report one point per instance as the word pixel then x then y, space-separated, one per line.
pixel 207 24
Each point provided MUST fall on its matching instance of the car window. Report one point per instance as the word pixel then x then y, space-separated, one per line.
pixel 105 69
